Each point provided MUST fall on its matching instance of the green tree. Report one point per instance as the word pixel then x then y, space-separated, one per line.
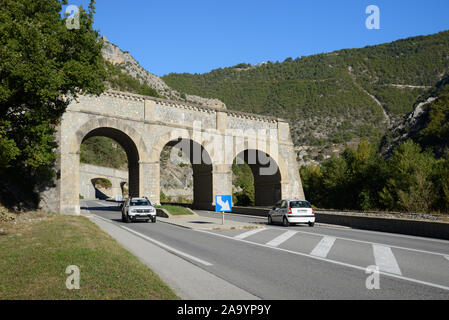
pixel 311 177
pixel 436 131
pixel 243 179
pixel 442 184
pixel 43 66
pixel 409 184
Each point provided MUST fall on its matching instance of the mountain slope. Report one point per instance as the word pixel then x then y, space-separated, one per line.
pixel 331 98
pixel 126 74
pixel 427 125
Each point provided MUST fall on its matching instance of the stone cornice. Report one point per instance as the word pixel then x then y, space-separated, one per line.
pixel 191 106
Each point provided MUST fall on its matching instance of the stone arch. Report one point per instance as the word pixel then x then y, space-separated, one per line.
pixel 177 135
pixel 271 152
pixel 93 124
pixel 202 166
pixel 268 175
pixel 124 135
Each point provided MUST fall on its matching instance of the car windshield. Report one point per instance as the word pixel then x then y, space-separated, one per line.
pixel 139 202
pixel 300 204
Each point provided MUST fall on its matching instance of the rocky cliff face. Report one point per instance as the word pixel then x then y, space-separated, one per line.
pixel 176 177
pixel 408 128
pixel 129 65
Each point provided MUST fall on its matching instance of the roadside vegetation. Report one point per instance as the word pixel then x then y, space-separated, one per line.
pixel 102 183
pixel 175 210
pixel 36 248
pixel 44 65
pixel 411 180
pixel 414 177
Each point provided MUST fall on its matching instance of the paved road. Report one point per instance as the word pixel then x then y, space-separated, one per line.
pixel 305 263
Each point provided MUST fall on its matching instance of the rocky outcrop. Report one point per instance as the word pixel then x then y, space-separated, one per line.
pixel 130 66
pixel 407 129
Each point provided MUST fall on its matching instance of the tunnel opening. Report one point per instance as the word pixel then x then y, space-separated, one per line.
pixel 102 188
pixel 112 148
pixel 256 179
pixel 186 174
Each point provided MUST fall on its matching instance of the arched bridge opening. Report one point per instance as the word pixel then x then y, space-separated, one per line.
pixel 266 176
pixel 131 150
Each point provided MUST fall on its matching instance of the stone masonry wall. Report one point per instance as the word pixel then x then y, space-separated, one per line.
pixel 144 125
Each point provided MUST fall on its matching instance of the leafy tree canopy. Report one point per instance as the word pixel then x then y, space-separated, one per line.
pixel 43 65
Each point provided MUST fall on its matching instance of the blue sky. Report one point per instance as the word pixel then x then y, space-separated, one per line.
pixel 197 36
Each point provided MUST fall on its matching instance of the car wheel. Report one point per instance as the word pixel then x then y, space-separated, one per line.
pixel 311 224
pixel 153 220
pixel 285 222
pixel 270 220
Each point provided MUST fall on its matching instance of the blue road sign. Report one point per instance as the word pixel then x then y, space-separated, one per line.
pixel 223 203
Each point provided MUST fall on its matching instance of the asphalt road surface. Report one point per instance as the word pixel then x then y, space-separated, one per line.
pixel 299 262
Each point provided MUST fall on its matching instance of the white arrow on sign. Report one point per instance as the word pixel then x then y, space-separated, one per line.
pixel 224 205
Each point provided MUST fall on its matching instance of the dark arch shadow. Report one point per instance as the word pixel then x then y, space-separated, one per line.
pixel 202 171
pixel 267 177
pixel 131 150
pixel 98 194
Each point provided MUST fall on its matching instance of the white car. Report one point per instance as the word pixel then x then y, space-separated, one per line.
pixel 135 209
pixel 292 211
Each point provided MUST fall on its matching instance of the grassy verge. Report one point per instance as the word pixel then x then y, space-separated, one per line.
pixel 35 254
pixel 175 210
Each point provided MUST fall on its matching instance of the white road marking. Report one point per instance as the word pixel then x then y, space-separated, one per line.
pixel 323 247
pixel 447 257
pixel 281 239
pixel 391 275
pixel 162 245
pixel 102 204
pixel 168 248
pixel 367 242
pixel 247 234
pixel 336 227
pixel 385 259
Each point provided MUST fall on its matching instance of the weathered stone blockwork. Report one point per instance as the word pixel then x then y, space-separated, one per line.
pixel 90 172
pixel 144 125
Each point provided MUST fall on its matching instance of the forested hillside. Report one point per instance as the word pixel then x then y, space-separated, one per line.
pixel 388 93
pixel 412 175
pixel 331 98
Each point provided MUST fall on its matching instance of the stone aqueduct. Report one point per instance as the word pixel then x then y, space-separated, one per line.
pixel 143 126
